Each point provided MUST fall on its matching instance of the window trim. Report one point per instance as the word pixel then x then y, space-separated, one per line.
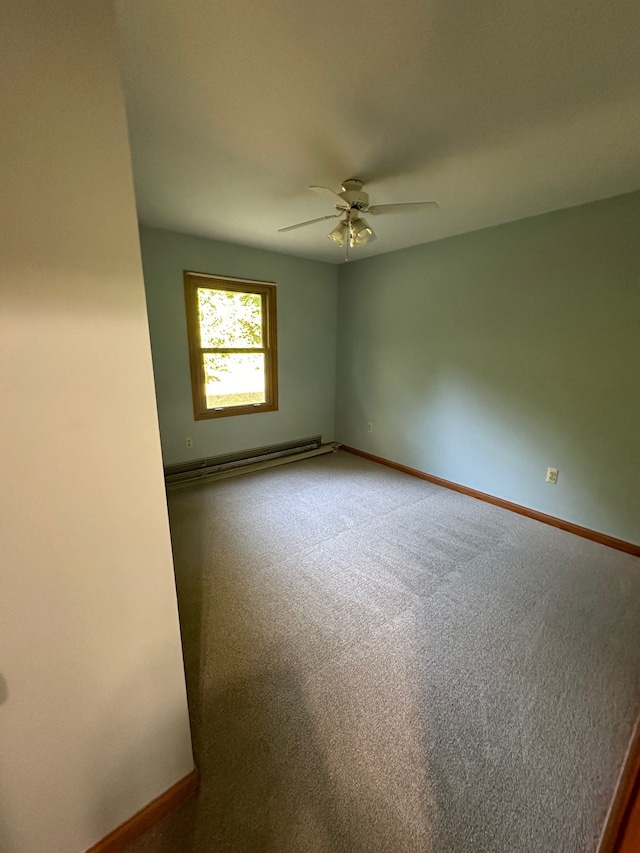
pixel 267 291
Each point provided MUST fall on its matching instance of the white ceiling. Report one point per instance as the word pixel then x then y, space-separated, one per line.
pixel 496 109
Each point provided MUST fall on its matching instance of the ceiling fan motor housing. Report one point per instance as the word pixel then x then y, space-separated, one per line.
pixel 353 195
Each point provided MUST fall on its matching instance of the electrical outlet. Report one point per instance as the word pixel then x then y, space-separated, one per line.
pixel 369 427
pixel 189 443
pixel 552 475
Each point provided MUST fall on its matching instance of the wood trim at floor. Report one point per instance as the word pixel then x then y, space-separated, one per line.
pixel 569 526
pixel 146 817
pixel 629 837
pixel 621 832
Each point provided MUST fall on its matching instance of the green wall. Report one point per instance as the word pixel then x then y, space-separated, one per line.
pixel 306 344
pixel 487 357
pixel 483 358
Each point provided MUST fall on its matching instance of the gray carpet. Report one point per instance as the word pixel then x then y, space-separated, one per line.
pixel 375 663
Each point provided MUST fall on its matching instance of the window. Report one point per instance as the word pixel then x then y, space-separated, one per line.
pixel 232 345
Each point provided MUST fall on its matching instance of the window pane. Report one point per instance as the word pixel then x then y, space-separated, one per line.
pixel 229 318
pixel 234 379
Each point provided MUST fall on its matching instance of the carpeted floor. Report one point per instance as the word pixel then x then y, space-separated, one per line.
pixel 375 664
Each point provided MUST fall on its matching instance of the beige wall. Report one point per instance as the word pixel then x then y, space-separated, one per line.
pixel 93 715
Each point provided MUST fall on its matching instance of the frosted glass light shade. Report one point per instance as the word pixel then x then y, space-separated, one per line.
pixel 361 233
pixel 339 233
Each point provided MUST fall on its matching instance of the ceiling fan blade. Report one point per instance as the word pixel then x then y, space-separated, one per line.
pixel 406 207
pixel 333 197
pixel 310 222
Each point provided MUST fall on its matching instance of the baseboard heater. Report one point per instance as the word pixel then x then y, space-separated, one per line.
pixel 219 467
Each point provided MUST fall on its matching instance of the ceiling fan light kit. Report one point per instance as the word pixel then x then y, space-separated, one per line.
pixel 353 230
pixel 353 227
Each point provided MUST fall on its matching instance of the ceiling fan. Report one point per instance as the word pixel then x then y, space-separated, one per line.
pixel 353 230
